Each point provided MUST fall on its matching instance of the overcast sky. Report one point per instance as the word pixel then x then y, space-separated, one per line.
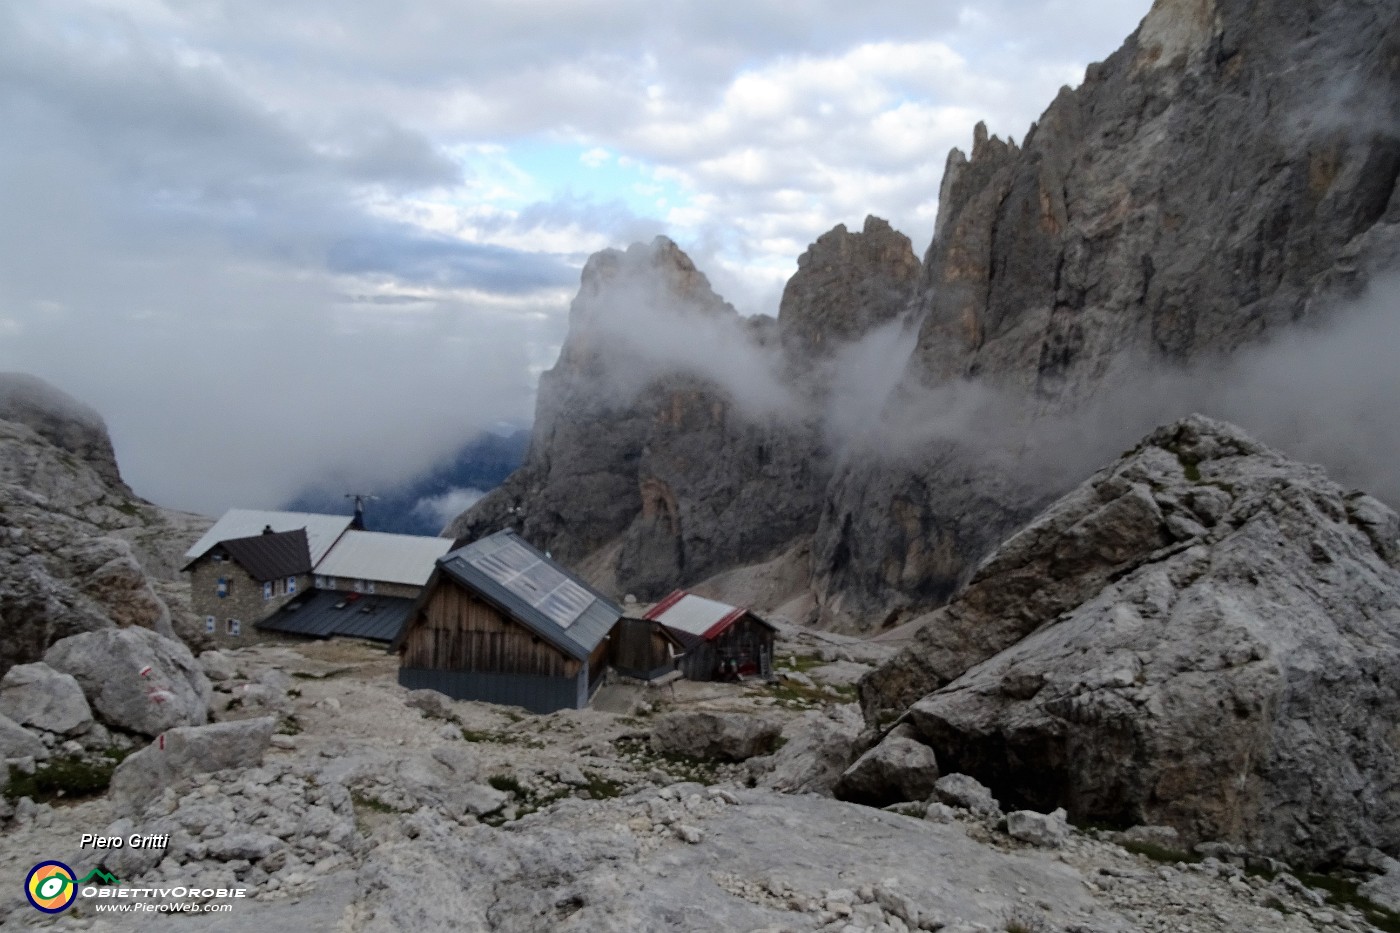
pixel 276 241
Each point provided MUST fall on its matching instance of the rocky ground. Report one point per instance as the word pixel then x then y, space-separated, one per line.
pixel 374 808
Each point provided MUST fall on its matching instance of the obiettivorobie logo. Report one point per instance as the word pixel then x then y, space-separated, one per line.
pixel 52 886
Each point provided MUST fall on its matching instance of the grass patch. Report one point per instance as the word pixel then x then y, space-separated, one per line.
pixel 66 778
pixel 1190 467
pixel 495 737
pixel 804 663
pixel 600 788
pixel 374 804
pixel 793 695
pixel 289 725
pixel 307 675
pixel 507 783
pixel 526 800
pixel 681 767
pixel 1343 893
pixel 1156 853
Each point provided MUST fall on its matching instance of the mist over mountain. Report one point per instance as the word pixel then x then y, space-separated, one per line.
pixel 425 504
pixel 1205 224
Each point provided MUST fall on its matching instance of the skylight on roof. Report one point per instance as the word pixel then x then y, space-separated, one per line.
pixel 536 581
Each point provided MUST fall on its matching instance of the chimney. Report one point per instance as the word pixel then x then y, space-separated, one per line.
pixel 267 530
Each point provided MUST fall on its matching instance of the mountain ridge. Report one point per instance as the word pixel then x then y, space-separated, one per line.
pixel 1230 173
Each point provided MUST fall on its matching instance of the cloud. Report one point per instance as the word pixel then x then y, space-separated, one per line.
pixel 277 241
pixel 1321 394
pixel 441 509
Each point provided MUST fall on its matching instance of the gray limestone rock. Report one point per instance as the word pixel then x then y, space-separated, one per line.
pixel 37 695
pixel 1228 685
pixel 846 285
pixel 186 751
pixel 817 750
pixel 62 420
pixel 1049 830
pixel 77 550
pixel 966 792
pixel 719 736
pixel 1384 889
pixel 135 679
pixel 18 742
pixel 217 665
pixel 900 768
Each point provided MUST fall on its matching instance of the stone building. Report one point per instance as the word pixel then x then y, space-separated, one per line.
pixel 241 581
pixel 258 574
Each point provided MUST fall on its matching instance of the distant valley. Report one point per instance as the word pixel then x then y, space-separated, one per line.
pixel 425 504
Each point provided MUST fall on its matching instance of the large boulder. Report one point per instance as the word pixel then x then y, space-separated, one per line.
pixel 37 695
pixel 18 742
pixel 184 752
pixel 719 736
pixel 135 679
pixel 1202 636
pixel 819 748
pixel 898 769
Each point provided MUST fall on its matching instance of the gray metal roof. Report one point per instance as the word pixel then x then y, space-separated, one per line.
pixel 387 558
pixel 535 591
pixel 323 613
pixel 322 531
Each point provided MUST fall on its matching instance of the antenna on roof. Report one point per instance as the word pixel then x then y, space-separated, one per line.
pixel 360 499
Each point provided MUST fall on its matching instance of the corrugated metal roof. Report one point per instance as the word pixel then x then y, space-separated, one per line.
pixel 323 613
pixel 387 558
pixel 695 615
pixel 530 587
pixel 322 531
pixel 270 557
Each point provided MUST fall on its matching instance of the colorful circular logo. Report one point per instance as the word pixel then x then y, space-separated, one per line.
pixel 51 887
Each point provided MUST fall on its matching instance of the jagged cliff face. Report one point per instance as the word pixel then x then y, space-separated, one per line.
pixel 674 438
pixel 1229 172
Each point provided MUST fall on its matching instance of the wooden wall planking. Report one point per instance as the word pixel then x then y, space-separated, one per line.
pixel 456 631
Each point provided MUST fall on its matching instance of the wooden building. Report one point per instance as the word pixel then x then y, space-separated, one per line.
pixel 500 621
pixel 645 649
pixel 722 642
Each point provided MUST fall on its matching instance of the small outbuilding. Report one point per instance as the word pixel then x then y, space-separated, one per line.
pixel 644 649
pixel 500 621
pixel 721 641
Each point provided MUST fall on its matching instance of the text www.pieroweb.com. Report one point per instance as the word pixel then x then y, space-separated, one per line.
pixel 129 907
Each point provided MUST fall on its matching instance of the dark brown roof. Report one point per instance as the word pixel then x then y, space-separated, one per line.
pixel 269 556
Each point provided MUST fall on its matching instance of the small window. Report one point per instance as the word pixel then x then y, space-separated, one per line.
pixel 233 627
pixel 291 586
pixel 222 588
pixel 267 590
pixel 209 625
pixel 217 558
pixel 359 586
pixel 369 586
